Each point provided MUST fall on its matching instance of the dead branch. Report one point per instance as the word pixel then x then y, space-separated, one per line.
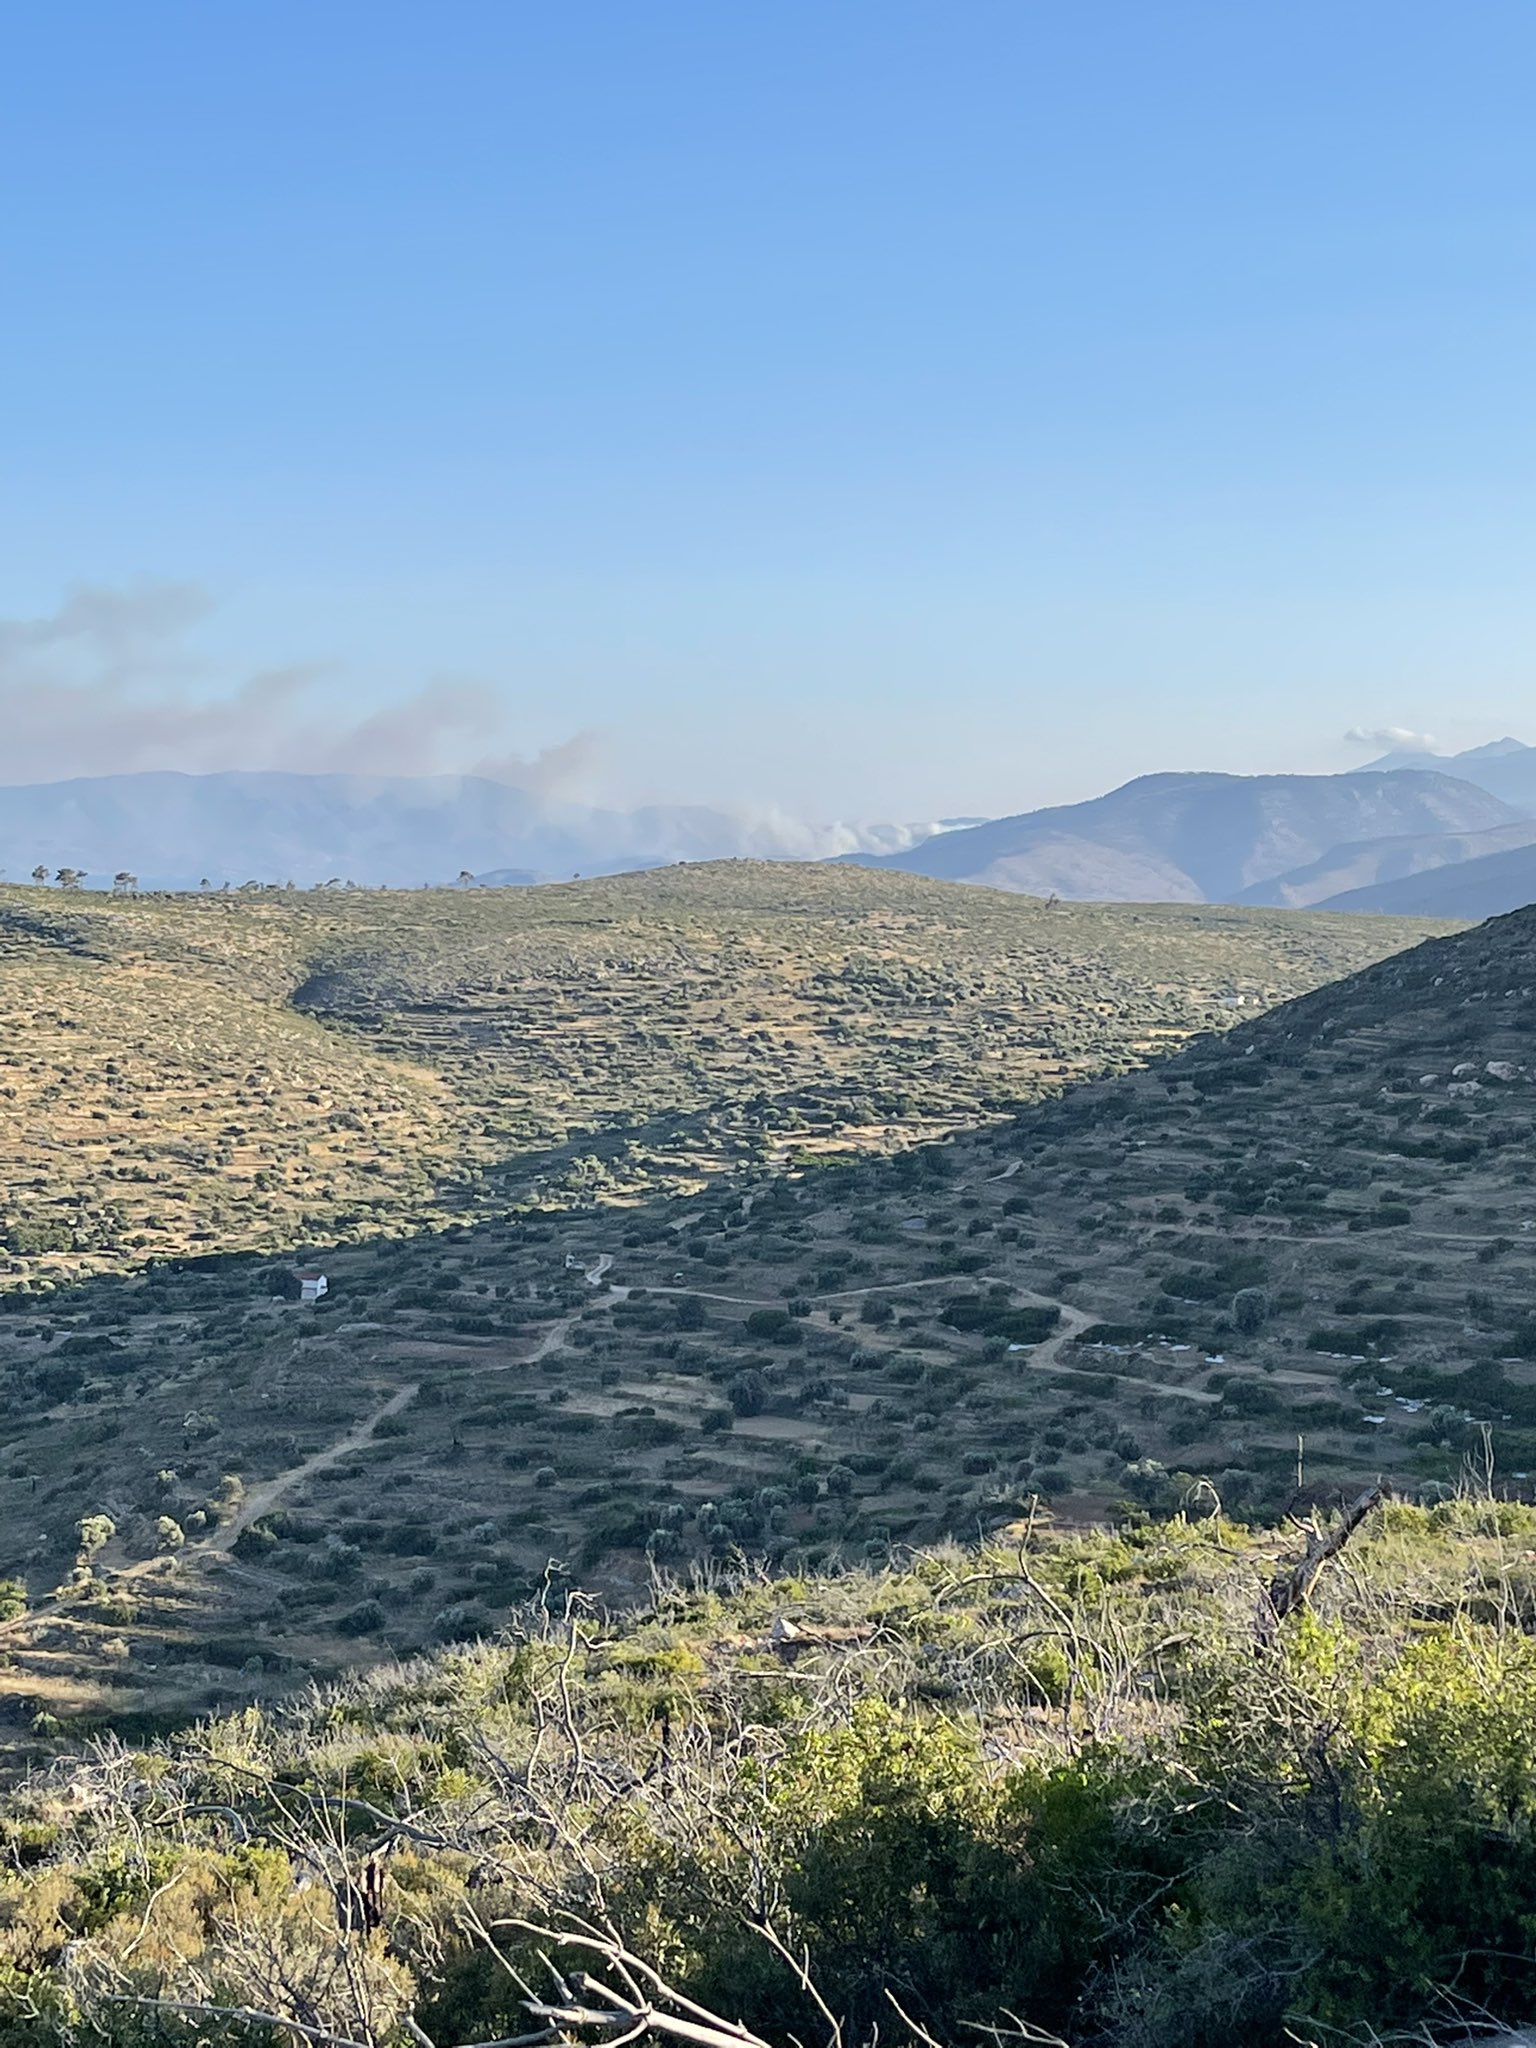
pixel 587 2002
pixel 317 2037
pixel 313 2037
pixel 1290 1590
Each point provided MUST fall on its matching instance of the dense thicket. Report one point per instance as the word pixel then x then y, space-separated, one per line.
pixel 1059 1784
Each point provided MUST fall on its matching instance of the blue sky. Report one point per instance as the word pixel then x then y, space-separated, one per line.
pixel 881 409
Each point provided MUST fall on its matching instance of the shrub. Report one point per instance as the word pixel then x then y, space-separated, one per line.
pixel 1250 1309
pixel 747 1393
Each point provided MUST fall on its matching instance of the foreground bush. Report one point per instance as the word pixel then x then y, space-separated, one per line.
pixel 1076 1784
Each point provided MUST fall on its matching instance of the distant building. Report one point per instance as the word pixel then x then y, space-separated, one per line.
pixel 313 1286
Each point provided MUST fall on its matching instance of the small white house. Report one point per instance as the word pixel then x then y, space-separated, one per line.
pixel 313 1286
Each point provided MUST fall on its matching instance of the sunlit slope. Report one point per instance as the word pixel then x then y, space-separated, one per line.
pixel 185 1072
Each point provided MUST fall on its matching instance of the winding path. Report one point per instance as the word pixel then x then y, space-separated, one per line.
pixel 261 1500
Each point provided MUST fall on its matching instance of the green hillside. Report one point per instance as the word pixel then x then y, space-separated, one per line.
pixel 1103 1791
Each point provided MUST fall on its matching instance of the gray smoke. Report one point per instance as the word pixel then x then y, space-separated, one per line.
pixel 109 685
pixel 104 684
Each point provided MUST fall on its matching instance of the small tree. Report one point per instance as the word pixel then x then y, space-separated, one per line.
pixel 1250 1309
pixel 747 1393
pixel 124 883
pixel 69 878
pixel 40 874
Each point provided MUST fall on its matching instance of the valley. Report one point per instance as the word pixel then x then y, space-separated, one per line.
pixel 185 1074
pixel 799 1330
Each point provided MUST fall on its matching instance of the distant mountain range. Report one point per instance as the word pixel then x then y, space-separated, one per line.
pixel 1473 889
pixel 1360 865
pixel 1413 833
pixel 1505 768
pixel 1212 838
pixel 176 831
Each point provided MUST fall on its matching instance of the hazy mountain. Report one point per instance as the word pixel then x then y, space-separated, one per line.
pixel 1364 863
pixel 172 831
pixel 1199 838
pixel 1505 768
pixel 1472 889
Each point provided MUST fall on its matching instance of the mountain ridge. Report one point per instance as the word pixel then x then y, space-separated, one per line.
pixel 1504 767
pixel 1198 837
pixel 1359 866
pixel 1489 886
pixel 1279 840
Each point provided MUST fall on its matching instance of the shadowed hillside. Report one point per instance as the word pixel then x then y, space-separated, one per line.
pixel 1156 1283
pixel 1209 1741
pixel 201 1073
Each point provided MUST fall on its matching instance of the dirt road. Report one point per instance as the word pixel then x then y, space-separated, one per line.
pixel 263 1498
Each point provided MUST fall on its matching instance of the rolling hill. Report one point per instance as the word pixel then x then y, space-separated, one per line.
pixel 1198 838
pixel 212 1071
pixel 664 1216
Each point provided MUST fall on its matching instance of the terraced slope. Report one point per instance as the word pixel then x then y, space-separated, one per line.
pixel 1146 1290
pixel 186 1073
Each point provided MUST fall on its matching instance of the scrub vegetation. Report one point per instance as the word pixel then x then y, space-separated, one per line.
pixel 1074 1788
pixel 1041 1547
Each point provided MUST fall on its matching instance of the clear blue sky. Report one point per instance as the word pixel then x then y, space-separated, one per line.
pixel 887 409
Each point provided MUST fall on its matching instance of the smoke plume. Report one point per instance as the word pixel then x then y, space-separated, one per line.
pixel 110 684
pixel 105 685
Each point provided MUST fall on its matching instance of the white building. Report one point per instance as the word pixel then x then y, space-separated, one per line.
pixel 313 1286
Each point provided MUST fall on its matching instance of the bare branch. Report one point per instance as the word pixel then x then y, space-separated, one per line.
pixel 320 2037
pixel 1290 1590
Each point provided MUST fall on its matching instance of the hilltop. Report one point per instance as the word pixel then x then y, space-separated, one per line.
pixel 1292 840
pixel 201 1073
pixel 397 831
